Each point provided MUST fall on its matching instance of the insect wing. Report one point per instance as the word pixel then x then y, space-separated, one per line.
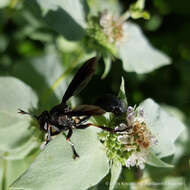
pixel 81 79
pixel 86 110
pixel 112 104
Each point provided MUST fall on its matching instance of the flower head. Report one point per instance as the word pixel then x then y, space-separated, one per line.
pixel 113 28
pixel 131 140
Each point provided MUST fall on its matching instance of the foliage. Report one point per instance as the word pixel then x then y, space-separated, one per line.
pixel 44 42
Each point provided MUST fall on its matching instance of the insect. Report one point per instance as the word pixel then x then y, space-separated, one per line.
pixel 110 103
pixel 62 118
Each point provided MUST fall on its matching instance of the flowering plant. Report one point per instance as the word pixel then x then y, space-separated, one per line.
pixel 42 42
pixel 139 136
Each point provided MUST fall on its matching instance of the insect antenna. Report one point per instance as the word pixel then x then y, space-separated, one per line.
pixel 31 114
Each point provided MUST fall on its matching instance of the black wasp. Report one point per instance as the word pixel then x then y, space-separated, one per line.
pixel 62 118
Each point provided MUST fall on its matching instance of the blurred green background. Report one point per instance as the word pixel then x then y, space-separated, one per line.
pixel 23 37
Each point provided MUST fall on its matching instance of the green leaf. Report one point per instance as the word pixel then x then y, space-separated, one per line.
pixel 14 128
pixel 15 94
pixel 137 53
pixel 115 173
pixel 66 17
pixel 107 63
pixel 44 71
pixel 10 170
pixel 4 3
pixel 122 92
pixel 153 160
pixel 54 168
pixel 139 5
pixel 164 126
pixel 97 6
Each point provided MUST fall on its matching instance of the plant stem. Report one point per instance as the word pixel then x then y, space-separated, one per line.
pixel 4 175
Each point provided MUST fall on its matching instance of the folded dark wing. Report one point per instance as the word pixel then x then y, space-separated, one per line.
pixel 86 110
pixel 81 79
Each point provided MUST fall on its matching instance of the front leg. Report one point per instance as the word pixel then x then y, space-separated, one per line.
pixel 75 154
pixel 47 136
pixel 84 126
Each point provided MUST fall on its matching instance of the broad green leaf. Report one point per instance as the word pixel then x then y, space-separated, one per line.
pixel 12 169
pixel 14 135
pixel 15 94
pixel 182 141
pixel 4 3
pixel 164 126
pixel 22 150
pixel 137 54
pixel 14 128
pixel 56 163
pixel 44 71
pixel 153 160
pixel 174 111
pixel 115 173
pixel 66 17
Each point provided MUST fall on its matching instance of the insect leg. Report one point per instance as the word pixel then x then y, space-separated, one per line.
pixel 84 126
pixel 83 120
pixel 75 154
pixel 31 114
pixel 69 134
pixel 48 134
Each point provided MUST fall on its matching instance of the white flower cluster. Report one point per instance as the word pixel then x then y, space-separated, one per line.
pixel 114 29
pixel 136 159
pixel 136 137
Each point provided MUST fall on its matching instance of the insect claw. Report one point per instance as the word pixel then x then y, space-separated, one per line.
pixel 75 156
pixel 43 145
pixel 21 111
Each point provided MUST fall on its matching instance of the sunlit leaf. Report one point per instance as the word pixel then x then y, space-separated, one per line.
pixel 138 54
pixel 66 17
pixel 153 160
pixel 11 170
pixel 14 128
pixel 56 163
pixel 164 126
pixel 115 173
pixel 44 71
pixel 4 3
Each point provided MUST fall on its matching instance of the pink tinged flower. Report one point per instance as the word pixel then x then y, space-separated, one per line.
pixel 131 118
pixel 141 112
pixel 136 159
pixel 121 127
pixel 153 140
pixel 113 28
pixel 130 109
pixel 124 139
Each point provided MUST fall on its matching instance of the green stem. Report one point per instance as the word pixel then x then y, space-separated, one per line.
pixel 52 88
pixel 4 176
